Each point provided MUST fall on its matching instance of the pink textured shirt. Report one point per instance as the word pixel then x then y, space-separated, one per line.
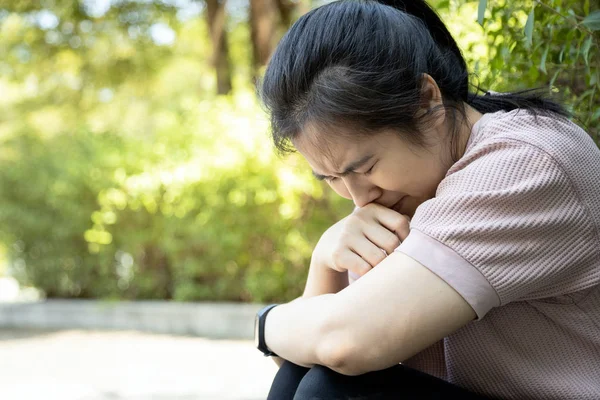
pixel 514 228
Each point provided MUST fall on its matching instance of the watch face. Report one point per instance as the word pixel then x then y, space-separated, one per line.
pixel 256 331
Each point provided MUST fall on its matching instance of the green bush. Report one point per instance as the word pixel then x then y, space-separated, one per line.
pixel 96 216
pixel 123 177
pixel 529 44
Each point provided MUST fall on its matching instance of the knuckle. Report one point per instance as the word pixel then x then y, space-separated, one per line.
pixel 375 257
pixel 381 255
pixel 401 222
pixel 345 238
pixel 355 264
pixel 372 206
pixel 392 243
pixel 338 255
pixel 362 268
pixel 366 212
pixel 338 266
pixel 360 217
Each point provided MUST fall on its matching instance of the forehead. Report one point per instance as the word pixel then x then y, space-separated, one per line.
pixel 330 150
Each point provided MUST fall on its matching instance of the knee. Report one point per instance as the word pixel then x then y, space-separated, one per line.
pixel 321 383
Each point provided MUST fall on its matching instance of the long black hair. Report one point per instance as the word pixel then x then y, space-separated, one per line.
pixel 360 64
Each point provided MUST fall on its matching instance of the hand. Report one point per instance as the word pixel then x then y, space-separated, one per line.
pixel 356 242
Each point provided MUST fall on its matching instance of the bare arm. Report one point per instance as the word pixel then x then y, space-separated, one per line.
pixel 397 310
pixel 324 280
pixel 347 245
pixel 320 281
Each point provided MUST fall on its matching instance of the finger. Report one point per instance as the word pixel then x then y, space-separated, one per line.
pixel 382 237
pixel 392 220
pixel 368 251
pixel 346 259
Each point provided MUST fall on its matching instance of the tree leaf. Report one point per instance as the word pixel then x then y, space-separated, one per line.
pixel 558 71
pixel 585 94
pixel 543 61
pixel 580 46
pixel 529 27
pixel 561 54
pixel 592 21
pixel 586 49
pixel 586 6
pixel 481 11
pixel 442 4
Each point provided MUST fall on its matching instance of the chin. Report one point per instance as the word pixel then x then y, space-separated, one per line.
pixel 409 206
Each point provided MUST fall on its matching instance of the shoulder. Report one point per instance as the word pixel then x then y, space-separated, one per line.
pixel 521 209
pixel 555 135
pixel 520 144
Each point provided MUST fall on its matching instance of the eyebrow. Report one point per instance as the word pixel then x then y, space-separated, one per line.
pixel 349 168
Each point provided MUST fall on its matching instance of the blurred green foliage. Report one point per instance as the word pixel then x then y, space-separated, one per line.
pixel 553 43
pixel 123 176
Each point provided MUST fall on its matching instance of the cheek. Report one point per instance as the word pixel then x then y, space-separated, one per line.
pixel 393 181
pixel 340 189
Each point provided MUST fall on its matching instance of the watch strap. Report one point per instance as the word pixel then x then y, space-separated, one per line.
pixel 262 345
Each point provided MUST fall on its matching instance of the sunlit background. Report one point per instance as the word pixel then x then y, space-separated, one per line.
pixel 136 163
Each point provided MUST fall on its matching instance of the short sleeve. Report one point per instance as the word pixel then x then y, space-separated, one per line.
pixel 505 225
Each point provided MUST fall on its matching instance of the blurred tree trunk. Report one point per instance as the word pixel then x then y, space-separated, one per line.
pixel 269 19
pixel 215 10
pixel 303 6
pixel 263 24
pixel 286 9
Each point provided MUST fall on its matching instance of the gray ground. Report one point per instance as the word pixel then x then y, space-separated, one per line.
pixel 91 365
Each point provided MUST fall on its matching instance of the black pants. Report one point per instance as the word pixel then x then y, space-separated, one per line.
pixel 293 382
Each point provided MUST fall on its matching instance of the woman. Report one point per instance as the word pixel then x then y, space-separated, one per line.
pixel 476 232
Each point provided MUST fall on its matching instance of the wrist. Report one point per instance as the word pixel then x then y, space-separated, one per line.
pixel 259 330
pixel 323 280
pixel 320 264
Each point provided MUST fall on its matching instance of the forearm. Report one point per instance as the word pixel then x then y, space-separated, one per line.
pixel 297 330
pixel 322 280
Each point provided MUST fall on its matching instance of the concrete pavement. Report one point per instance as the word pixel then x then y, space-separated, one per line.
pixel 214 320
pixel 129 365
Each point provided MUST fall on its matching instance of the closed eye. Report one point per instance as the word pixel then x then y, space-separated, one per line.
pixel 330 179
pixel 370 169
pixel 333 178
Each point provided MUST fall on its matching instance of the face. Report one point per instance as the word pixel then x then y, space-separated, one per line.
pixel 383 168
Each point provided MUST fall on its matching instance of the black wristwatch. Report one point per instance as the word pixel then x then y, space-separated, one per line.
pixel 259 330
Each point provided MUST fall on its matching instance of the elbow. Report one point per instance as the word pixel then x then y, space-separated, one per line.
pixel 338 351
pixel 338 347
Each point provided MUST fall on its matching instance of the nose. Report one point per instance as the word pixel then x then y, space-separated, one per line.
pixel 362 191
